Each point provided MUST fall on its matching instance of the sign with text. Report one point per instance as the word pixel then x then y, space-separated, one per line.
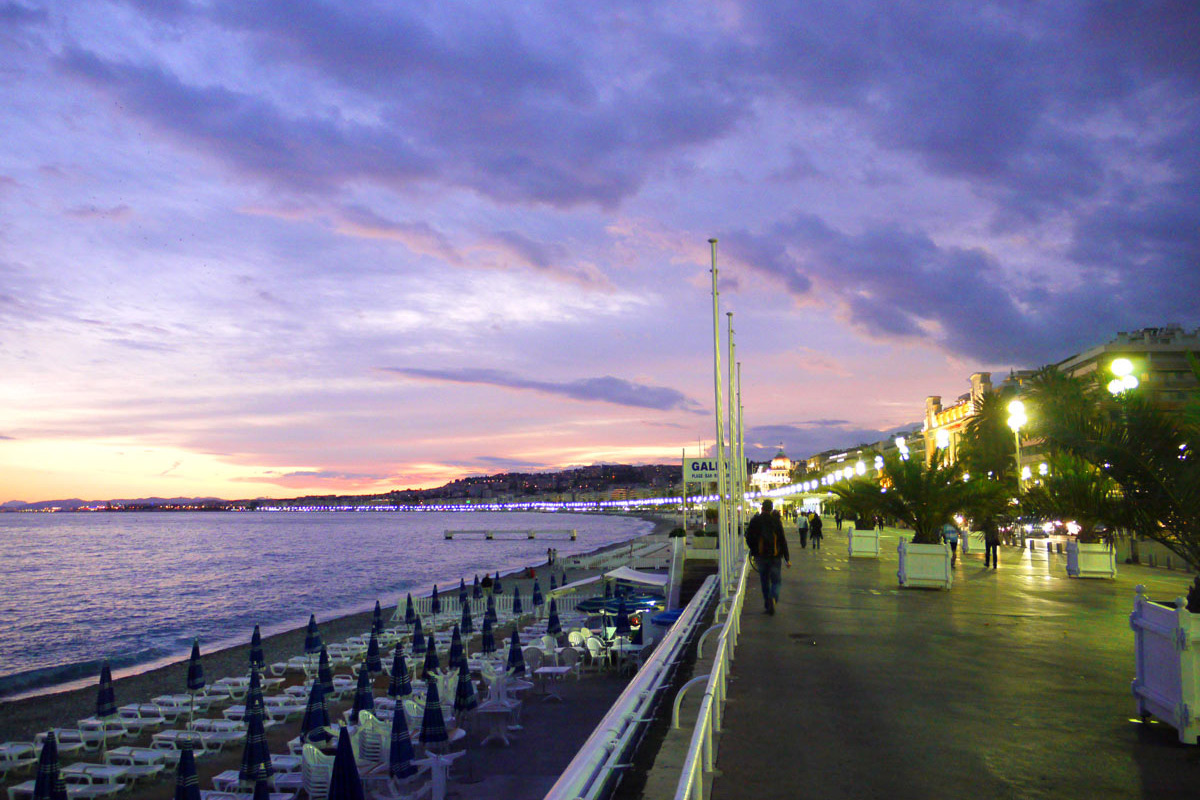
pixel 701 470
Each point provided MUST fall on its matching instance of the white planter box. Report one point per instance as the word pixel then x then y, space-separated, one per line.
pixel 863 544
pixel 1167 658
pixel 1091 560
pixel 925 566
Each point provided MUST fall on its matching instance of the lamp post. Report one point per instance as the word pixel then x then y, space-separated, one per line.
pixel 1016 421
pixel 1124 379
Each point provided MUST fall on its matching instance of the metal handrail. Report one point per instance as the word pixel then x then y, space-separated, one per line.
pixel 702 750
pixel 589 772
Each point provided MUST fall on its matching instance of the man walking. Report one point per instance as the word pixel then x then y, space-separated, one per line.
pixel 991 543
pixel 768 545
pixel 802 526
pixel 814 531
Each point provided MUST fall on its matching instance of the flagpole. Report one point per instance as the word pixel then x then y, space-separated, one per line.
pixel 722 511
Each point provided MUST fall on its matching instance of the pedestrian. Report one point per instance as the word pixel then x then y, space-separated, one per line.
pixel 802 526
pixel 950 537
pixel 768 545
pixel 814 531
pixel 549 556
pixel 991 543
pixel 837 519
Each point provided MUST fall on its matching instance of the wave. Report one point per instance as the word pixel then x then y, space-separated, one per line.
pixel 65 676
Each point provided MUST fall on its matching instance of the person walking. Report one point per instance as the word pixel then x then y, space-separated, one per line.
pixel 837 519
pixel 991 543
pixel 768 545
pixel 802 526
pixel 814 531
pixel 950 537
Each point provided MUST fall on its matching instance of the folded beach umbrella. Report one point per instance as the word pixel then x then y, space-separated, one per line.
pixel 106 703
pixel 553 624
pixel 489 613
pixel 325 672
pixel 400 684
pixel 344 782
pixel 462 592
pixel 465 698
pixel 476 589
pixel 538 601
pixel 49 784
pixel 187 783
pixel 516 661
pixel 607 589
pixel 377 619
pixel 488 645
pixel 457 655
pixel 418 639
pixel 431 658
pixel 497 587
pixel 410 613
pixel 364 700
pixel 262 790
pixel 316 716
pixel 256 758
pixel 622 621
pixel 518 609
pixel 433 723
pixel 312 638
pixel 435 602
pixel 553 585
pixel 254 695
pixel 373 662
pixel 467 624
pixel 195 676
pixel 257 660
pixel 400 754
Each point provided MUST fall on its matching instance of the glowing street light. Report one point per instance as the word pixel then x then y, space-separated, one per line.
pixel 1125 380
pixel 942 438
pixel 1016 421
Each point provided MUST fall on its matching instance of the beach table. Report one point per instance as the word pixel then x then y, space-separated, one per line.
pixel 548 678
pixel 496 714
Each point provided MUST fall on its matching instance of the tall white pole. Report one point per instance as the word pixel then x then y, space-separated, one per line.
pixel 741 451
pixel 722 511
pixel 734 472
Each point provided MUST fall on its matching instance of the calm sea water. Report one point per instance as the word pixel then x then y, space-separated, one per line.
pixel 136 588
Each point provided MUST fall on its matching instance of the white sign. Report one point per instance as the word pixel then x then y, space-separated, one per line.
pixel 701 470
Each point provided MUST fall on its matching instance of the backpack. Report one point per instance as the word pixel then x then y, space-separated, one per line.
pixel 754 533
pixel 768 541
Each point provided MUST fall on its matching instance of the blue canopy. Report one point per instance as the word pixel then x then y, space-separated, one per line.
pixel 400 754
pixel 553 625
pixel 312 638
pixel 553 584
pixel 435 602
pixel 476 589
pixel 187 782
pixel 373 661
pixel 400 684
pixel 488 645
pixel 497 587
pixel 457 654
pixel 538 600
pixel 489 613
pixel 254 694
pixel 418 640
pixel 431 658
pixel 433 723
pixel 316 716
pixel 467 624
pixel 49 784
pixel 325 672
pixel 256 758
pixel 410 613
pixel 462 591
pixel 517 608
pixel 257 660
pixel 364 699
pixel 344 782
pixel 377 619
pixel 195 675
pixel 516 661
pixel 465 698
pixel 106 702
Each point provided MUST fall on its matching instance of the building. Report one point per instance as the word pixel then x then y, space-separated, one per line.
pixel 772 476
pixel 944 425
pixel 1160 358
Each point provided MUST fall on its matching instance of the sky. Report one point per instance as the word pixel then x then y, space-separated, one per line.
pixel 268 249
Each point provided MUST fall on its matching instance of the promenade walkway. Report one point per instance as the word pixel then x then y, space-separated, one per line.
pixel 1015 684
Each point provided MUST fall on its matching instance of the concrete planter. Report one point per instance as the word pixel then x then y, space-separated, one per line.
pixel 925 566
pixel 863 544
pixel 1091 560
pixel 1167 662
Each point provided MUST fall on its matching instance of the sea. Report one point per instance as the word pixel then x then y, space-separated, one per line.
pixel 136 588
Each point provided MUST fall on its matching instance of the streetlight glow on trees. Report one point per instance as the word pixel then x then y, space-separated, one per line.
pixel 1016 421
pixel 1125 380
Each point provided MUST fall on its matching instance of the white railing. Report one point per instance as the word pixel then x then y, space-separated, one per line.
pixel 590 773
pixel 702 751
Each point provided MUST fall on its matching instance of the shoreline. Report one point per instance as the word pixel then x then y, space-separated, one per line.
pixel 22 717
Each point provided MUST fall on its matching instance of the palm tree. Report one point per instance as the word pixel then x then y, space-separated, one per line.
pixel 987 446
pixel 923 497
pixel 1076 490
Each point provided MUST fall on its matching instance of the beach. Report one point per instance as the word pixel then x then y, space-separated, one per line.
pixel 21 719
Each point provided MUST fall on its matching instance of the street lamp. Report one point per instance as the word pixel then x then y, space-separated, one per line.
pixel 1016 421
pixel 1125 380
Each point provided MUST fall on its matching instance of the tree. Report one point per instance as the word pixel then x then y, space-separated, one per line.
pixel 924 497
pixel 1076 490
pixel 988 447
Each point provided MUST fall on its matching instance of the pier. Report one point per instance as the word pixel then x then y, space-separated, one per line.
pixel 565 534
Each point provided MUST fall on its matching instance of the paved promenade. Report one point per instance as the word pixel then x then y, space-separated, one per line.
pixel 1015 684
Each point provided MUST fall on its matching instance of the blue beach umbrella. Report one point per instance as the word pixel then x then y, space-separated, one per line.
pixel 553 585
pixel 377 619
pixel 418 639
pixel 489 613
pixel 467 624
pixel 465 698
pixel 373 661
pixel 432 663
pixel 435 602
pixel 488 645
pixel 462 591
pixel 262 790
pixel 497 587
pixel 433 723
pixel 364 700
pixel 256 758
pixel 456 656
pixel 325 672
pixel 400 754
pixel 538 601
pixel 254 695
pixel 518 609
pixel 607 589
pixel 410 613
pixel 187 783
pixel 476 589
pixel 257 660
pixel 106 703
pixel 553 624
pixel 312 637
pixel 316 716
pixel 622 621
pixel 49 784
pixel 516 661
pixel 400 684
pixel 195 676
pixel 344 782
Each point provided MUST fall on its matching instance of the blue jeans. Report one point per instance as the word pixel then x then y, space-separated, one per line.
pixel 770 572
